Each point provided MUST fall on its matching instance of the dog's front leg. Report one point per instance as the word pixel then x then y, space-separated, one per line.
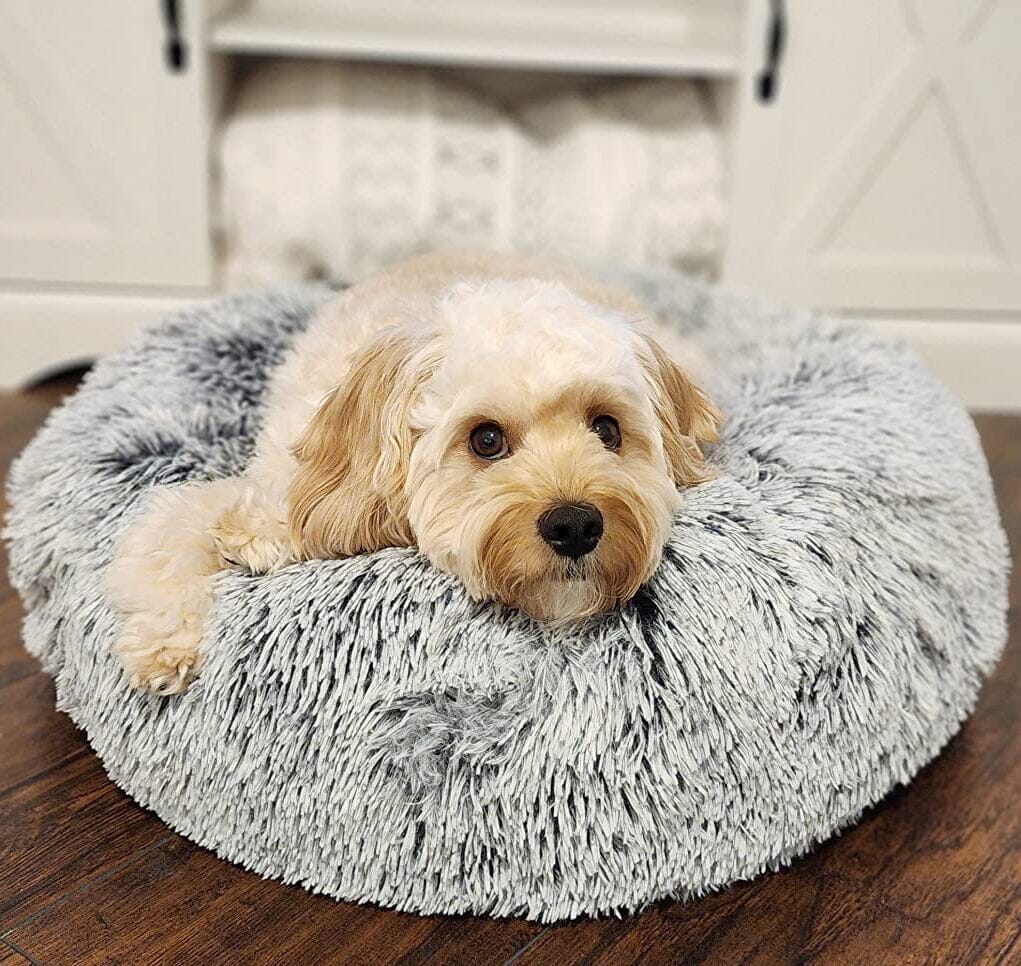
pixel 252 532
pixel 164 571
pixel 161 580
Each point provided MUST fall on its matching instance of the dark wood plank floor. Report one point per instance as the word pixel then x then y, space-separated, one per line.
pixel 86 876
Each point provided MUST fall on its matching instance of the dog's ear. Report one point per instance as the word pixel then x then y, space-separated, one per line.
pixel 688 419
pixel 347 495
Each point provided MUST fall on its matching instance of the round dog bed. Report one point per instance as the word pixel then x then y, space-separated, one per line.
pixel 823 618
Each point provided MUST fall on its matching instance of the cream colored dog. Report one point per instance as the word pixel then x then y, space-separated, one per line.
pixel 517 423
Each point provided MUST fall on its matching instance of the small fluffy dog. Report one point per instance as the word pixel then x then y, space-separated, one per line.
pixel 517 423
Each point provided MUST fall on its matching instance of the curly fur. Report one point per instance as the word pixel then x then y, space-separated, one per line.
pixel 400 368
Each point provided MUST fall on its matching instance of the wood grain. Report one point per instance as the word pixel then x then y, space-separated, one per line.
pixel 932 875
pixel 34 737
pixel 11 957
pixel 63 828
pixel 191 906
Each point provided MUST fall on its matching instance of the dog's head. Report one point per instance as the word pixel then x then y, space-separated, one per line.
pixel 525 440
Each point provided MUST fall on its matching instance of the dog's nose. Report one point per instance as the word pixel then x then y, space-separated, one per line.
pixel 572 530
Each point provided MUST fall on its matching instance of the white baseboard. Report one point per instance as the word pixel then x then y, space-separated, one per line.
pixel 42 332
pixel 979 360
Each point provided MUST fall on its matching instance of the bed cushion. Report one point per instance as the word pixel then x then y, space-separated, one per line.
pixel 821 624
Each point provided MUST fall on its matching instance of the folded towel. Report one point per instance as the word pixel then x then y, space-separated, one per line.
pixel 331 170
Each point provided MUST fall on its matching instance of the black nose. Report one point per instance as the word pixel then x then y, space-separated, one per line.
pixel 572 531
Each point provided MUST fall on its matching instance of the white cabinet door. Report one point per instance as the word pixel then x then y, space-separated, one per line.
pixel 103 149
pixel 886 171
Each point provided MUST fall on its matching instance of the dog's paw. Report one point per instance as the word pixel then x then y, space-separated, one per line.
pixel 161 667
pixel 257 546
pixel 169 672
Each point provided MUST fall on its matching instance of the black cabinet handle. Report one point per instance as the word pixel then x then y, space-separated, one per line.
pixel 175 51
pixel 769 77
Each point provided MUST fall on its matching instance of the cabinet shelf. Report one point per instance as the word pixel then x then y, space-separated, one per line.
pixel 664 37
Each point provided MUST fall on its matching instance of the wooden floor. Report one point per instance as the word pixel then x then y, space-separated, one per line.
pixel 86 876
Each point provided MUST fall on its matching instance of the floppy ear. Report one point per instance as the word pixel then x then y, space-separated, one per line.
pixel 348 496
pixel 687 417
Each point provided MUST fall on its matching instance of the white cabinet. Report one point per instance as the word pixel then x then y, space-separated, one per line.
pixel 602 36
pixel 881 179
pixel 885 175
pixel 103 169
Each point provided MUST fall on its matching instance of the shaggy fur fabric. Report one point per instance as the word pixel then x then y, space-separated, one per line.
pixel 819 628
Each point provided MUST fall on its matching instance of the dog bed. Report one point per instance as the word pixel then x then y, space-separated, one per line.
pixel 820 626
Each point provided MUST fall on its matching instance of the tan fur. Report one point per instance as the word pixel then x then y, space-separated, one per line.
pixel 366 445
pixel 347 495
pixel 563 463
pixel 688 419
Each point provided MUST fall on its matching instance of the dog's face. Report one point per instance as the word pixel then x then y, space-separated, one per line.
pixel 526 441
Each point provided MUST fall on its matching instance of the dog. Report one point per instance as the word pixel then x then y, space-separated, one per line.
pixel 523 426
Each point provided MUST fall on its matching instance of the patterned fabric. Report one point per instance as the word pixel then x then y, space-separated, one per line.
pixel 825 613
pixel 333 170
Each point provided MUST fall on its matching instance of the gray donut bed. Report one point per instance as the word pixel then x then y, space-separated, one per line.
pixel 824 616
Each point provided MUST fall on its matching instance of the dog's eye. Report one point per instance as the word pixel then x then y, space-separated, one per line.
pixel 606 428
pixel 488 442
